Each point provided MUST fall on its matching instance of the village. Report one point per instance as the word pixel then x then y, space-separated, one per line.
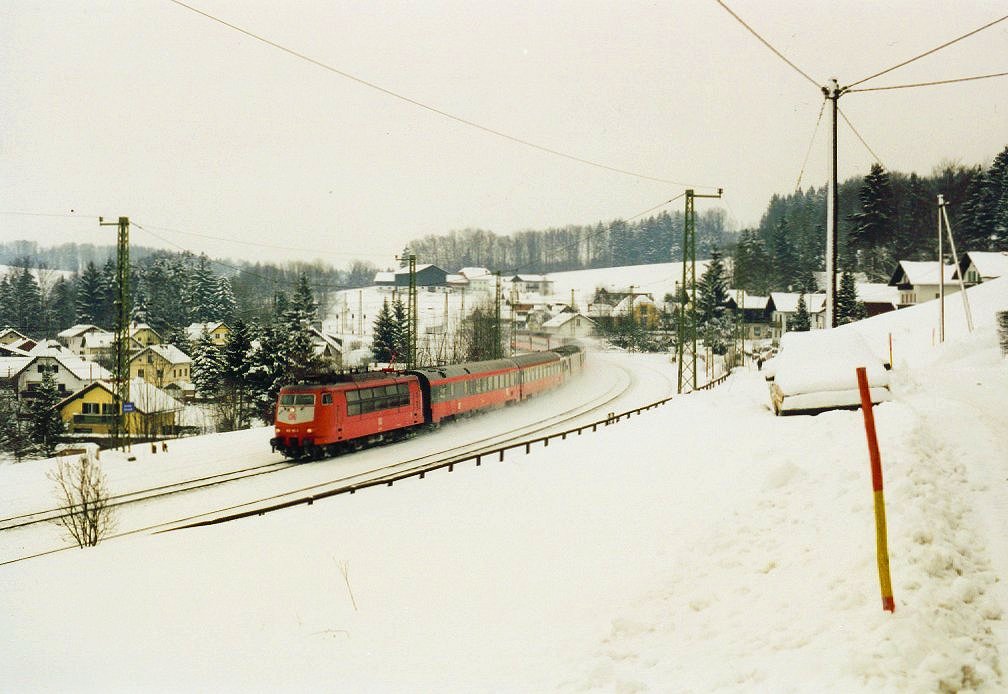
pixel 538 312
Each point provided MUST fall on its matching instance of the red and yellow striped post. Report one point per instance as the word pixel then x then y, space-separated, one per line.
pixel 881 543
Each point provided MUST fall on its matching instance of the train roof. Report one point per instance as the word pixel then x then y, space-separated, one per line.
pixel 535 358
pixel 329 378
pixel 473 367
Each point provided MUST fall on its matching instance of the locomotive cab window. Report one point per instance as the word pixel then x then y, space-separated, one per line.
pixel 327 398
pixel 289 399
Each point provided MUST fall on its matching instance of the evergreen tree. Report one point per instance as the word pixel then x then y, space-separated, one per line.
pixel 8 315
pixel 998 175
pixel 801 322
pixel 303 302
pixel 62 302
pixel 46 424
pixel 90 297
pixel 384 335
pixel 849 309
pixel 873 224
pixel 27 309
pixel 712 291
pixel 15 430
pixel 108 291
pixel 227 306
pixel 202 292
pixel 236 393
pixel 400 321
pixel 785 257
pixel 207 365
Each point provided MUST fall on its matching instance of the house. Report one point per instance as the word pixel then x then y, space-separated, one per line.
pixel 10 336
pixel 479 278
pixel 70 372
pixel 145 335
pixel 92 410
pixel 572 325
pixel 756 315
pixel 160 365
pixel 877 297
pixel 427 275
pixel 532 283
pixel 783 306
pixel 384 278
pixel 73 337
pixel 641 306
pixel 918 281
pixel 978 266
pixel 98 344
pixel 219 332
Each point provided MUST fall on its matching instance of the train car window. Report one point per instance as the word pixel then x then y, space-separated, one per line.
pixel 352 396
pixel 353 408
pixel 327 398
pixel 391 389
pixel 403 390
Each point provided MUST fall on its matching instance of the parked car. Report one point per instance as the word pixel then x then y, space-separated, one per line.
pixel 816 371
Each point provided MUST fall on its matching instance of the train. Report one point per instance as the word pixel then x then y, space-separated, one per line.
pixel 338 413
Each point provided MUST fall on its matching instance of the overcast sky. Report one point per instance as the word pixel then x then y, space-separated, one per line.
pixel 146 109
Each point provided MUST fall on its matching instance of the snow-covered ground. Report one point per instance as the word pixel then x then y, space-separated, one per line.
pixel 702 546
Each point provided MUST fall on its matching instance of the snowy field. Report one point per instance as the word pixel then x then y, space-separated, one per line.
pixel 702 546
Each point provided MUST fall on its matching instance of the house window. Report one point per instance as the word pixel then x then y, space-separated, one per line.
pixel 140 373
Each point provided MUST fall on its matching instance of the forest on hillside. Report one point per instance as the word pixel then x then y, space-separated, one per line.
pixel 883 217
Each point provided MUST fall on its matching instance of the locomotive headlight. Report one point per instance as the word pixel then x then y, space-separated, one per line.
pixel 311 431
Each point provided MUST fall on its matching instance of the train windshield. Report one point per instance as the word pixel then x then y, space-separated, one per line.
pixel 288 399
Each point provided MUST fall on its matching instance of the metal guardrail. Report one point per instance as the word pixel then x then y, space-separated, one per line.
pixel 388 481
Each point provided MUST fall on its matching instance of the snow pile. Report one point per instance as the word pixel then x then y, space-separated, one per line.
pixel 822 360
pixel 702 546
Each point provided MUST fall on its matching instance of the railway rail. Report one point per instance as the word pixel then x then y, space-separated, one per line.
pixel 475 451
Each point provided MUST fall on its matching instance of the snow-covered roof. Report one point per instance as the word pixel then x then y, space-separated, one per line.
pixel 12 351
pixel 8 331
pixel 456 279
pixel 98 339
pixel 12 366
pixel 80 368
pixel 876 292
pixel 989 264
pixel 754 302
pixel 471 272
pixel 625 303
pixel 76 330
pixel 918 272
pixel 146 398
pixel 170 353
pixel 137 327
pixel 195 330
pixel 564 318
pixel 529 278
pixel 787 302
pixel 384 277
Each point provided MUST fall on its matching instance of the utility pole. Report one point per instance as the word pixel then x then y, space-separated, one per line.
pixel 497 319
pixel 943 216
pixel 832 91
pixel 687 347
pixel 120 431
pixel 413 313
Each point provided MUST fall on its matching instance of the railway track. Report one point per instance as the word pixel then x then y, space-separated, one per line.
pixel 618 389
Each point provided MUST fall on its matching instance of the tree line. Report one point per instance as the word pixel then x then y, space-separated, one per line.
pixel 884 217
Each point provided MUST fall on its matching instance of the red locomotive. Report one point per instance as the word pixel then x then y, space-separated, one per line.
pixel 351 410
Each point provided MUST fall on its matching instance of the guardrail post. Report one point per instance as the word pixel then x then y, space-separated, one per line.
pixel 478 461
pixel 881 541
pixel 528 447
pixel 502 455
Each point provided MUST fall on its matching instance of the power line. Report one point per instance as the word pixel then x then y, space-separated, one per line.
pixel 928 84
pixel 926 53
pixel 420 104
pixel 765 43
pixel 855 131
pixel 808 153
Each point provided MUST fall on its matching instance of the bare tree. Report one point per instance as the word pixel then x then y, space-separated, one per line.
pixel 81 488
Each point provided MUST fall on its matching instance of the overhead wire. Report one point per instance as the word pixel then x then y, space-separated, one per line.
pixel 767 44
pixel 856 133
pixel 928 84
pixel 924 54
pixel 808 153
pixel 420 104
